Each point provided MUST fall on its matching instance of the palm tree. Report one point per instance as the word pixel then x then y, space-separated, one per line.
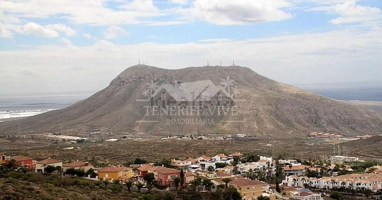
pixel 227 83
pixel 139 186
pixel 129 184
pixel 226 181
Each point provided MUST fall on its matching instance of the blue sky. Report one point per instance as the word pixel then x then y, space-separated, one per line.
pixel 81 45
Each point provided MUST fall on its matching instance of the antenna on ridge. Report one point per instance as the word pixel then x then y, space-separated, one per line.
pixel 208 63
pixel 220 63
pixel 233 63
pixel 139 61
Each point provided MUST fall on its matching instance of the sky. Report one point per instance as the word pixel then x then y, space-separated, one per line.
pixel 71 46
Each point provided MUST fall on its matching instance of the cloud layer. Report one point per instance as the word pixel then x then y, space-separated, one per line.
pixel 332 57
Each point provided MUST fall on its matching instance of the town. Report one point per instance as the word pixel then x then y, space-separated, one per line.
pixel 236 176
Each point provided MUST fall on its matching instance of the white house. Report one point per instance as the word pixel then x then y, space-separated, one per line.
pixel 41 165
pixel 349 181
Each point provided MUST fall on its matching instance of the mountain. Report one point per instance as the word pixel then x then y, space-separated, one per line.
pixel 266 107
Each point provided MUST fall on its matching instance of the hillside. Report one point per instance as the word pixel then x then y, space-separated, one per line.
pixel 370 147
pixel 269 108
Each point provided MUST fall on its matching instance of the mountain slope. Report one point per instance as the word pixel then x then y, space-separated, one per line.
pixel 270 108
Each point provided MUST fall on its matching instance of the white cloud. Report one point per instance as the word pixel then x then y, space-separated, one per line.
pixel 4 33
pixel 66 42
pixel 37 30
pixel 89 36
pixel 181 2
pixel 48 31
pixel 140 5
pixel 93 12
pixel 62 28
pixel 228 12
pixel 311 58
pixel 113 31
pixel 349 11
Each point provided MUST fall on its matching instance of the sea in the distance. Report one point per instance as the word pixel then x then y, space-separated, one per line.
pixel 25 106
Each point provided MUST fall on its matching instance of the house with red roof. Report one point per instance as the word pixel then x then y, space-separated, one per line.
pixel 41 165
pixel 143 170
pixel 23 161
pixel 78 165
pixel 164 175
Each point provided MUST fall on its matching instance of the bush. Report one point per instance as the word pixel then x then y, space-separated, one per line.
pixel 67 181
pixel 16 175
pixel 336 195
pixel 220 165
pixel 35 177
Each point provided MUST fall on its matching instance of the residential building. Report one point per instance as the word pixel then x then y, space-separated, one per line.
pixel 220 157
pixel 342 159
pixel 350 181
pixel 78 165
pixel 297 170
pixel 41 165
pixel 181 164
pixel 188 177
pixel 3 159
pixel 23 161
pixel 143 170
pixel 236 155
pixel 115 173
pixel 164 175
pixel 204 159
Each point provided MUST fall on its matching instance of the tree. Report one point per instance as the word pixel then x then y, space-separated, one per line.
pixel 207 183
pixel 149 178
pixel 139 186
pixel 11 164
pixel 336 195
pixel 367 193
pixel 252 158
pixel 91 173
pixel 195 183
pixel 220 165
pixel 164 162
pixel 49 169
pixel 129 184
pixel 139 161
pixel 235 170
pixel 261 197
pixel 177 182
pixel 210 168
pixel 278 186
pixel 231 194
pixel 181 178
pixel 226 181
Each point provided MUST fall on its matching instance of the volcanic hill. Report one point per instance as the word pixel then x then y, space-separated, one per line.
pixel 270 108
